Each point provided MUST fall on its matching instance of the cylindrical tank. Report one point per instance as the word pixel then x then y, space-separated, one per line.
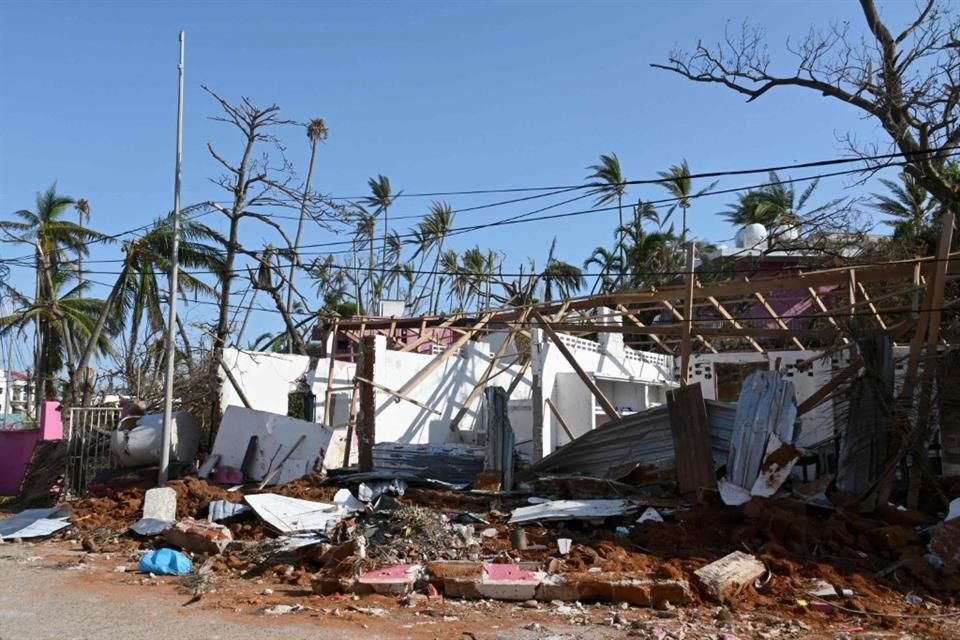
pixel 752 236
pixel 141 445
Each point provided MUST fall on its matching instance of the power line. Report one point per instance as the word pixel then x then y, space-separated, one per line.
pixel 692 176
pixel 945 153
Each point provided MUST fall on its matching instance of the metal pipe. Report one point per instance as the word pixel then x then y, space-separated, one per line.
pixel 164 472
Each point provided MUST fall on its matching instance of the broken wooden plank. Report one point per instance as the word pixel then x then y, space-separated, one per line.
pixel 736 325
pixel 873 308
pixel 653 337
pixel 607 406
pixel 425 373
pixel 691 439
pixel 776 317
pixel 563 423
pixel 821 394
pixel 398 395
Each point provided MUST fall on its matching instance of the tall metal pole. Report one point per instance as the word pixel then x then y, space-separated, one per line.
pixel 174 269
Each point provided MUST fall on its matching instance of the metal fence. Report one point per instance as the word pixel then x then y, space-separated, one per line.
pixel 89 431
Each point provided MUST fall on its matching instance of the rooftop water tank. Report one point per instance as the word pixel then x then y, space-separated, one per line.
pixel 752 236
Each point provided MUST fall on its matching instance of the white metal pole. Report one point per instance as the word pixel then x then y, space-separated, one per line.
pixel 174 269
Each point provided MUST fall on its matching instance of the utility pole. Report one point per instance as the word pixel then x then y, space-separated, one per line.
pixel 174 269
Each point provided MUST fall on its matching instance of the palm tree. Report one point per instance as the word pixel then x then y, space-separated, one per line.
pixel 776 204
pixel 316 132
pixel 651 258
pixel 609 186
pixel 52 237
pixel 608 263
pixel 364 231
pixel 567 278
pixel 380 198
pixel 61 316
pixel 910 206
pixel 433 230
pixel 677 181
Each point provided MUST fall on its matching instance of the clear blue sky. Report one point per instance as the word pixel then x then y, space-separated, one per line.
pixel 435 95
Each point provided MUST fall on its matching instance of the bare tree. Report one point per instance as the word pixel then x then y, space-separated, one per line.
pixel 908 81
pixel 254 181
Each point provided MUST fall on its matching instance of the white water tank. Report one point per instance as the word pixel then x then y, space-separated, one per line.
pixel 752 236
pixel 786 233
pixel 141 445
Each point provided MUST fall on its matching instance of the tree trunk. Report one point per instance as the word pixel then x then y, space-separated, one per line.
pixel 295 258
pixel 79 375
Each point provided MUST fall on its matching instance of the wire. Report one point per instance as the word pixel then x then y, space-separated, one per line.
pixel 663 180
pixel 945 153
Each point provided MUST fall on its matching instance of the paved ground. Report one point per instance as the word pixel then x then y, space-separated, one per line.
pixel 54 591
pixel 47 594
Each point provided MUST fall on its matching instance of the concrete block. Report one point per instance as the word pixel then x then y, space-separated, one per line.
pixel 451 569
pixel 727 577
pixel 613 588
pixel 464 588
pixel 160 504
pixel 324 585
pixel 198 536
pixel 397 579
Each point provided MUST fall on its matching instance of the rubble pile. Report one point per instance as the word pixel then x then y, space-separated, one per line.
pixel 813 559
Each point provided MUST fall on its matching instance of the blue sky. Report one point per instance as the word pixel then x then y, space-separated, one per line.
pixel 435 95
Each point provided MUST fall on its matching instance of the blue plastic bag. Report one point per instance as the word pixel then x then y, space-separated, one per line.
pixel 166 562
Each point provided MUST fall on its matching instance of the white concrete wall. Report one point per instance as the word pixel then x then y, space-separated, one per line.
pixel 607 357
pixel 266 379
pixel 445 389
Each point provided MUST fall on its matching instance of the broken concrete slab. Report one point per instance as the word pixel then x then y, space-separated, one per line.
pixel 198 536
pixel 725 578
pixel 573 510
pixel 277 436
pixel 395 580
pixel 293 515
pixel 613 587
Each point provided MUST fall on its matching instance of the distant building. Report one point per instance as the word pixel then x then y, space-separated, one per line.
pixel 15 395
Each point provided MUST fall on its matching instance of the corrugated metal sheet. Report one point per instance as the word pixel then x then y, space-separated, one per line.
pixel 453 463
pixel 767 404
pixel 638 445
pixel 720 417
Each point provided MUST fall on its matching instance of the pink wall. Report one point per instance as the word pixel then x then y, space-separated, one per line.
pixel 16 447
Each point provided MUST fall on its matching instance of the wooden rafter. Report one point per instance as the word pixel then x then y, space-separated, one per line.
pixel 607 406
pixel 729 318
pixel 679 316
pixel 653 337
pixel 873 308
pixel 776 318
